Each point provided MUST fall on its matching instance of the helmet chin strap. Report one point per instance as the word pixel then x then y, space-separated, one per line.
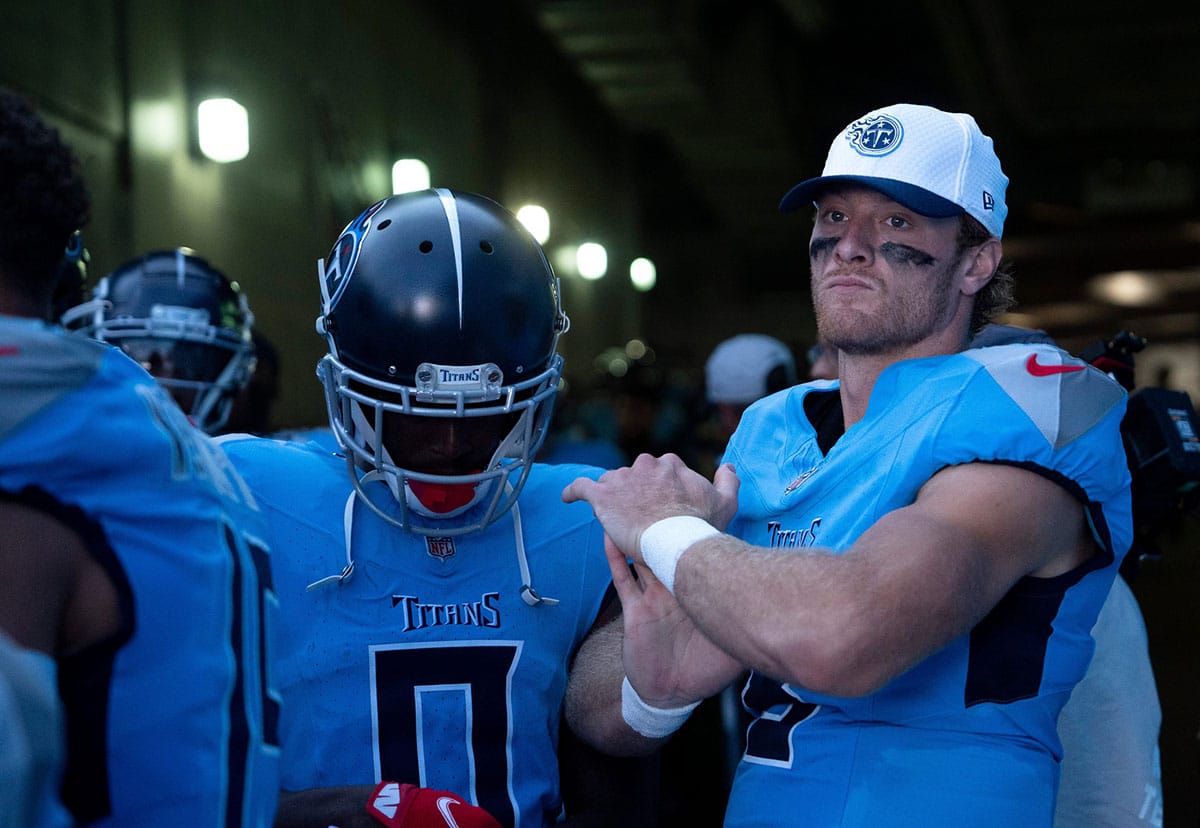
pixel 528 594
pixel 348 530
pixel 424 498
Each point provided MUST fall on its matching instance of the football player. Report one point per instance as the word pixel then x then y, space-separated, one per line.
pixel 132 567
pixel 186 323
pixel 920 549
pixel 434 587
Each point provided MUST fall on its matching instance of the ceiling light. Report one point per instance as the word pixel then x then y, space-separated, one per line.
pixel 643 274
pixel 592 260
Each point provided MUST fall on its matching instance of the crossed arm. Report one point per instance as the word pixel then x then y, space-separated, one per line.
pixel 842 624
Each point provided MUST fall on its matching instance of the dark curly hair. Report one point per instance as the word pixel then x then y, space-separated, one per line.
pixel 43 199
pixel 997 295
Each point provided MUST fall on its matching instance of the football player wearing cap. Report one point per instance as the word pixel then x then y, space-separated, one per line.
pixel 743 369
pixel 433 586
pixel 919 551
pixel 184 321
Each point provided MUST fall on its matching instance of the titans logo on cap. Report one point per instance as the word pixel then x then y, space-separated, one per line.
pixel 877 135
pixel 344 254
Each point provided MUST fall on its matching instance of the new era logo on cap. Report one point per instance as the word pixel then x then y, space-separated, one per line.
pixel 937 163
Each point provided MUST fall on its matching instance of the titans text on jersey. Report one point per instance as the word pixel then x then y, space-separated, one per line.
pixel 417 614
pixel 781 538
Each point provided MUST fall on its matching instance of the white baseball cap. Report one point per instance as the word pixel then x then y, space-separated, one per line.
pixel 738 368
pixel 936 163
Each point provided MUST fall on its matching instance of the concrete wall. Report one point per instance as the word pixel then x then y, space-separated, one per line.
pixel 335 93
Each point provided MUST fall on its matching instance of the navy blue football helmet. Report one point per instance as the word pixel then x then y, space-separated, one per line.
pixel 442 318
pixel 184 321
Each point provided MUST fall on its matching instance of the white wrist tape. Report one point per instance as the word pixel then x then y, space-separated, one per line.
pixel 652 722
pixel 664 542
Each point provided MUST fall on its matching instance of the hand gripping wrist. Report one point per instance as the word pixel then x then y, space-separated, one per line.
pixel 664 542
pixel 652 722
pixel 407 806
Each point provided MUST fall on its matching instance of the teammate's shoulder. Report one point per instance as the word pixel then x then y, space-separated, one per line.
pixel 321 436
pixel 41 364
pixel 542 494
pixel 252 448
pixel 36 353
pixel 553 473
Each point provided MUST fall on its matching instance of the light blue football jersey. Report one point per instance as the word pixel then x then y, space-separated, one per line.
pixel 425 665
pixel 968 736
pixel 174 722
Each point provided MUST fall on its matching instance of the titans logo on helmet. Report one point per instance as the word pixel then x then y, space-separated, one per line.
pixel 877 135
pixel 342 258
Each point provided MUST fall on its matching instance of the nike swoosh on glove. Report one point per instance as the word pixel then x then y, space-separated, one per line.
pixel 408 806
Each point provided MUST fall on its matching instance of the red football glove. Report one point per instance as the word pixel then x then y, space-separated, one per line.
pixel 407 806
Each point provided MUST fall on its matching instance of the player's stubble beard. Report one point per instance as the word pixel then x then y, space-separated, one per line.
pixel 914 304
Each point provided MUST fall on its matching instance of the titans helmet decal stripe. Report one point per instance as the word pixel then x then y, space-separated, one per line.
pixel 451 209
pixel 180 267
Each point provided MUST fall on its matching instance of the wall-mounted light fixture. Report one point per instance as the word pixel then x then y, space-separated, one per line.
pixel 536 221
pixel 223 129
pixel 410 175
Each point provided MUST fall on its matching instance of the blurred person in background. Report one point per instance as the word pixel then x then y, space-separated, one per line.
pixel 185 322
pixel 822 361
pixel 743 369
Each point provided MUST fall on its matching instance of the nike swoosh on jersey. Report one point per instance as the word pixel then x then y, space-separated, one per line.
pixel 1038 370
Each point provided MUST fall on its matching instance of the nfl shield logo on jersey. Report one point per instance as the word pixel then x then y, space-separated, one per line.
pixel 440 548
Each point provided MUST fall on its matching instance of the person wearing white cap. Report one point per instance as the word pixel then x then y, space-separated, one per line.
pixel 919 551
pixel 742 369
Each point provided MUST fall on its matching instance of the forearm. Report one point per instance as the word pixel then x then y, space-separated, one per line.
pixel 843 623
pixel 344 807
pixel 766 608
pixel 593 700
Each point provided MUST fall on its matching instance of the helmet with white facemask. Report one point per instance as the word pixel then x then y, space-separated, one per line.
pixel 442 317
pixel 184 321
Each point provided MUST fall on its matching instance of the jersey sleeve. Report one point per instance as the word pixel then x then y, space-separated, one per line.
pixel 1041 409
